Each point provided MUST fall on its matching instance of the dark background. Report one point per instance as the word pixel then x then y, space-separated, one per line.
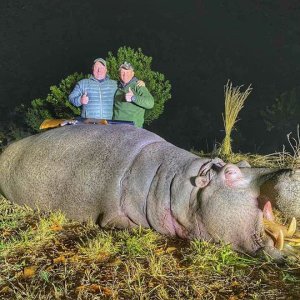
pixel 197 44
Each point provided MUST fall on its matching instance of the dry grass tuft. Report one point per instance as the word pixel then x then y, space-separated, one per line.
pixel 286 159
pixel 234 102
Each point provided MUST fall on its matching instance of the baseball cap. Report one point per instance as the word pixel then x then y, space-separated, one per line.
pixel 101 60
pixel 126 65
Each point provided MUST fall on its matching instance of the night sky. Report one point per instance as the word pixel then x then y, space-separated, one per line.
pixel 197 44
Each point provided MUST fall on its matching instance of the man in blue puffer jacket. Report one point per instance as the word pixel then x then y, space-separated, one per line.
pixel 95 94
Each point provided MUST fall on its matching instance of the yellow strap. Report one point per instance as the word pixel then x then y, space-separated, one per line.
pixel 95 121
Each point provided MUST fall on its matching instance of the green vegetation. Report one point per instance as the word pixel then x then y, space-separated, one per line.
pixel 46 256
pixel 56 105
pixel 138 242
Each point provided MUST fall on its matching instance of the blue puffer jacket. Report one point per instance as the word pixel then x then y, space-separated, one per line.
pixel 101 97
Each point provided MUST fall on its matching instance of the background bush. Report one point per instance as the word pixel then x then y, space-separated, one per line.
pixel 56 105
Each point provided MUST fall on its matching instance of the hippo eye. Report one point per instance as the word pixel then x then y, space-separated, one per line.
pixel 231 172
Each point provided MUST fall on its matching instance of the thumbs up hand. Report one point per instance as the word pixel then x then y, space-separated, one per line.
pixel 84 98
pixel 129 95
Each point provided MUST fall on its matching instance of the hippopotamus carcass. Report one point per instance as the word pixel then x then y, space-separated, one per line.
pixel 122 176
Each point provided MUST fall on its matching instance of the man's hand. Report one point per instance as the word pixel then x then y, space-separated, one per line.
pixel 129 95
pixel 84 98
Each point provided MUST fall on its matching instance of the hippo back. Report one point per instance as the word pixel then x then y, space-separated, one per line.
pixel 67 164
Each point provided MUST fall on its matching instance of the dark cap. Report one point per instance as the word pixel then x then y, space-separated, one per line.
pixel 126 65
pixel 101 60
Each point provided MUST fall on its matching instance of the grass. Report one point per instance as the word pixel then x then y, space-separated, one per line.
pixel 46 256
pixel 280 159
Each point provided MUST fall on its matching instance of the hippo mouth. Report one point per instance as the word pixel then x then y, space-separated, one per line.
pixel 281 188
pixel 285 238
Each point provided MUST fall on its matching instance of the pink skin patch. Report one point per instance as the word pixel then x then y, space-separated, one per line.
pixel 170 223
pixel 233 176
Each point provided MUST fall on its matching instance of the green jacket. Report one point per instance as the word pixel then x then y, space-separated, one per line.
pixel 132 111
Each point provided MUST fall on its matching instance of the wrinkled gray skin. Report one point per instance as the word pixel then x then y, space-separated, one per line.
pixel 121 176
pixel 283 191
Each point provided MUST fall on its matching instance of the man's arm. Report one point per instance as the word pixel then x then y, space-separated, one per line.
pixel 76 94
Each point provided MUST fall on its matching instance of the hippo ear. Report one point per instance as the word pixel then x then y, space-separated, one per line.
pixel 201 181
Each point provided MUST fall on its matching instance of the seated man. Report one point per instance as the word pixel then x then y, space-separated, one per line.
pixel 131 100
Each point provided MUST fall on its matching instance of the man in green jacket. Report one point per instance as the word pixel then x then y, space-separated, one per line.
pixel 131 100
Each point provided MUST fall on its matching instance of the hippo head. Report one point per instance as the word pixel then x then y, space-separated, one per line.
pixel 231 210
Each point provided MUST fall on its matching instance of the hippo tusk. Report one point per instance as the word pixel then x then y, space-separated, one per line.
pixel 273 228
pixel 273 234
pixel 280 241
pixel 292 228
pixel 293 240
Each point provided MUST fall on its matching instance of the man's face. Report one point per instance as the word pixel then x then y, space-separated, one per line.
pixel 126 75
pixel 99 70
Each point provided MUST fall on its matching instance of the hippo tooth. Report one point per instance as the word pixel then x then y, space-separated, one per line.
pixel 292 228
pixel 273 228
pixel 273 233
pixel 280 241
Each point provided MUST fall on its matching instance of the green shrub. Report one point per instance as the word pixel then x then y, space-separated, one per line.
pixel 56 104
